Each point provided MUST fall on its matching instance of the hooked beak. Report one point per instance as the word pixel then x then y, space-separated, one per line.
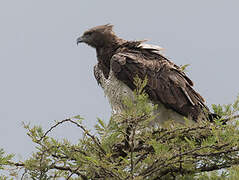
pixel 80 40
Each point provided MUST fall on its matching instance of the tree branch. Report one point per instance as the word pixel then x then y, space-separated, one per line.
pixel 96 141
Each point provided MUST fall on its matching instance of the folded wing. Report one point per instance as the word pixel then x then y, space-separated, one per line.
pixel 166 82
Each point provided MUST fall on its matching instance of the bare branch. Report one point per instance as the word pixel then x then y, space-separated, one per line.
pixel 96 141
pixel 63 168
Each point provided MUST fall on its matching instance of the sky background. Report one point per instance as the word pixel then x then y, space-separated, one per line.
pixel 44 76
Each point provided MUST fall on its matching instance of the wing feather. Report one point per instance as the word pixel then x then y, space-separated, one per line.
pixel 166 82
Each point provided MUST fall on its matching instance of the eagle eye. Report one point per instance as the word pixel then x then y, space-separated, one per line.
pixel 88 33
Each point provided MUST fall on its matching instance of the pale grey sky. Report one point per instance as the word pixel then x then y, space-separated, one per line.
pixel 44 76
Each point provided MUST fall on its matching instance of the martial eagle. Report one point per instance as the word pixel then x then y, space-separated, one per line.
pixel 119 61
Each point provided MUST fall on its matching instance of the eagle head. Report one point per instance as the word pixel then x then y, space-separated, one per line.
pixel 99 36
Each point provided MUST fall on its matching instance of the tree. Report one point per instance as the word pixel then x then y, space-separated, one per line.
pixel 128 148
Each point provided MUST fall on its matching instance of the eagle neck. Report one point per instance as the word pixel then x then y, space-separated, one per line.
pixel 104 55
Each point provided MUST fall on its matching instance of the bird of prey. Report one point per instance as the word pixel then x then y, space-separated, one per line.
pixel 120 61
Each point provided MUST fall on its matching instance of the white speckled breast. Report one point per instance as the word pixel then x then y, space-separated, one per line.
pixel 114 90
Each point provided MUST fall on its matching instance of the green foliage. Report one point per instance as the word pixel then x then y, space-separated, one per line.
pixel 128 147
pixel 4 159
pixel 228 110
pixel 184 67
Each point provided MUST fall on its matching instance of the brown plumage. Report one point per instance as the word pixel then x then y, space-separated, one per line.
pixel 167 83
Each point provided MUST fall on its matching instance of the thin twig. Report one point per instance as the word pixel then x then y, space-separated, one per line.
pixel 23 174
pixel 131 153
pixel 63 168
pixel 230 118
pixel 150 170
pixel 96 141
